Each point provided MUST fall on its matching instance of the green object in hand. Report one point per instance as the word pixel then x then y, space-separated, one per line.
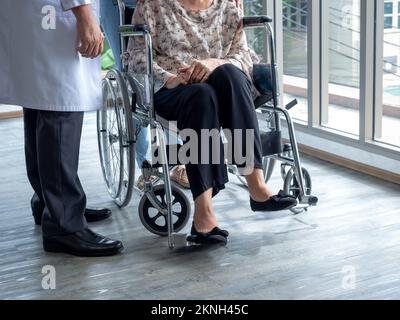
pixel 107 58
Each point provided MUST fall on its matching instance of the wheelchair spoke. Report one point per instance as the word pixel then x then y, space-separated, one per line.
pixel 177 214
pixel 158 215
pixel 114 155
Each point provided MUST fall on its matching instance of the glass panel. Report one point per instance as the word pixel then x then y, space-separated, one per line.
pixel 388 7
pixel 388 112
pixel 295 69
pixel 341 65
pixel 388 22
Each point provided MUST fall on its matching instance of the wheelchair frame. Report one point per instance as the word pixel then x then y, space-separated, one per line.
pixel 121 94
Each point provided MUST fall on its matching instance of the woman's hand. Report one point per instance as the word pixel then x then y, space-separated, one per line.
pixel 90 36
pixel 200 70
pixel 174 82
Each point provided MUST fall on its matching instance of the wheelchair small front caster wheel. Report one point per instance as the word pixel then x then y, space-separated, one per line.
pixel 156 221
pixel 292 187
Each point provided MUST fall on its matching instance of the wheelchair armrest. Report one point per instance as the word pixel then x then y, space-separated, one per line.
pixel 256 21
pixel 133 28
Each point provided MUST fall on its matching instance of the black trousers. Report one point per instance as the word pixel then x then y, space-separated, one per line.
pixel 52 143
pixel 225 101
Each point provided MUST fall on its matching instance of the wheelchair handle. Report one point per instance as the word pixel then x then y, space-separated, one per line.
pixel 256 21
pixel 291 104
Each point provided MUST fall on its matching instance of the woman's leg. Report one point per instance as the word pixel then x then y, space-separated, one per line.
pixel 195 107
pixel 257 187
pixel 237 111
pixel 204 219
pixel 142 146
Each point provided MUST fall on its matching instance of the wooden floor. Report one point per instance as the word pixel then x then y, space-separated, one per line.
pixel 354 231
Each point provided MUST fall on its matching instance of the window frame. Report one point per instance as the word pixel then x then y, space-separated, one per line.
pixel 371 88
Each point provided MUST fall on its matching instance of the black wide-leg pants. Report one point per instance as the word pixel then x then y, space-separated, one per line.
pixel 52 143
pixel 224 101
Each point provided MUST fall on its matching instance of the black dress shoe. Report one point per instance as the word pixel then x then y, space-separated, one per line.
pixel 216 236
pixel 279 202
pixel 91 215
pixel 84 243
pixel 94 215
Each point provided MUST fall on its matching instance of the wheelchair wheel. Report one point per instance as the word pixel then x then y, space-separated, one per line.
pixel 116 142
pixel 109 141
pixel 155 221
pixel 292 186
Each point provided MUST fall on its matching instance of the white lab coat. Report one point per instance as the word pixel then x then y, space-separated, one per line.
pixel 40 67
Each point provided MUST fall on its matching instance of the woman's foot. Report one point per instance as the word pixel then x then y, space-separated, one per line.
pixel 215 236
pixel 279 202
pixel 140 182
pixel 206 222
pixel 257 187
pixel 262 199
pixel 179 176
pixel 205 225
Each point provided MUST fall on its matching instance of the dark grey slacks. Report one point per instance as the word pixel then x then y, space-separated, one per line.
pixel 52 143
pixel 225 101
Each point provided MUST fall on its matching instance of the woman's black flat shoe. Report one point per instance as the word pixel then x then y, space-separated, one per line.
pixel 279 202
pixel 216 236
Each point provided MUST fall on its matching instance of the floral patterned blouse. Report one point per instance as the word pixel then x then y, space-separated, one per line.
pixel 181 35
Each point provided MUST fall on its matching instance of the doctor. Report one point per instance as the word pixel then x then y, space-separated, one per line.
pixel 48 65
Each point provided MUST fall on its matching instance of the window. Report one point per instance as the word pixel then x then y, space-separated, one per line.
pixel 388 22
pixel 388 8
pixel 295 14
pixel 389 14
pixel 295 55
pixel 355 93
pixel 341 65
pixel 387 106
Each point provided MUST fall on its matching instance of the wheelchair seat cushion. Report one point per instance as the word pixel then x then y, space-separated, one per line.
pixel 262 77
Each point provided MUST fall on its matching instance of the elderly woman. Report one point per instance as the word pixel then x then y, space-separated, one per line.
pixel 202 67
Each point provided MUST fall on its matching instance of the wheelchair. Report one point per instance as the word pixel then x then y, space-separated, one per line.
pixel 164 209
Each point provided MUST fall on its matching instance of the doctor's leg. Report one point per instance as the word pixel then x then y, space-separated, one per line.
pixel 64 227
pixel 31 155
pixel 31 158
pixel 58 142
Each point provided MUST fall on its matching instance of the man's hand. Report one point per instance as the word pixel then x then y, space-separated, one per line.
pixel 174 82
pixel 200 70
pixel 90 37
